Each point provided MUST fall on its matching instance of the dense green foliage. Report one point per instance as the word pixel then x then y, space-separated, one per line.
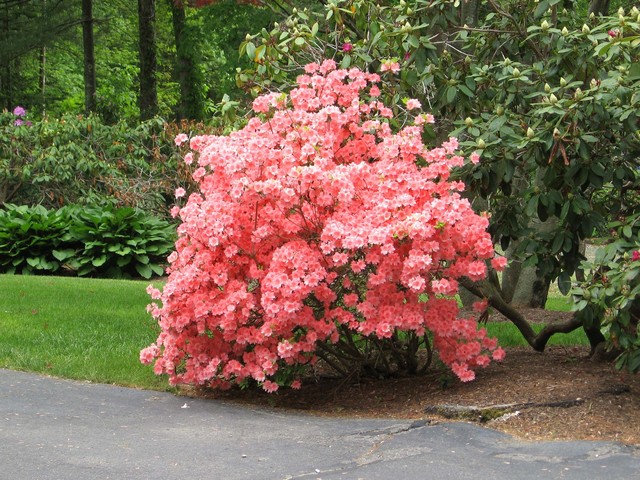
pixel 609 298
pixel 82 160
pixel 100 242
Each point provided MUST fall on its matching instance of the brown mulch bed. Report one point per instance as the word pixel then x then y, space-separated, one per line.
pixel 558 394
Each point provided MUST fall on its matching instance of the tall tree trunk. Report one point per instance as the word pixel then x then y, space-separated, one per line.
pixel 599 7
pixel 148 100
pixel 42 74
pixel 5 75
pixel 469 11
pixel 42 78
pixel 89 57
pixel 191 105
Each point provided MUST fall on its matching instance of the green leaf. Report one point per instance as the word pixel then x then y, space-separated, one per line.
pixel 543 6
pixel 62 255
pixel 450 94
pixel 99 261
pixel 145 271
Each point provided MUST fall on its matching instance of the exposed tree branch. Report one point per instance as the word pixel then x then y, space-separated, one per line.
pixel 538 342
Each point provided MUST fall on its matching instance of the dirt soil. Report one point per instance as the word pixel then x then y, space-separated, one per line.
pixel 560 394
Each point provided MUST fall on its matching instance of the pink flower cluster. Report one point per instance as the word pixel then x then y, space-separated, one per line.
pixel 313 200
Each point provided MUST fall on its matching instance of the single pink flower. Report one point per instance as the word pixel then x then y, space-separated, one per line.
pixel 635 256
pixel 347 47
pixel 412 104
pixel 498 354
pixel 269 386
pixel 499 263
pixel 390 66
pixel 180 139
pixel 481 305
pixel 19 111
pixel 180 192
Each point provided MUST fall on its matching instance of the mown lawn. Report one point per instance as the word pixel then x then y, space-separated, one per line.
pixel 89 329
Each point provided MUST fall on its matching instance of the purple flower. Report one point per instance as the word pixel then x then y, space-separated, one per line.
pixel 18 122
pixel 19 111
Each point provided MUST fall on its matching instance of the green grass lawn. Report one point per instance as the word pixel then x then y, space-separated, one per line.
pixel 90 329
pixel 77 328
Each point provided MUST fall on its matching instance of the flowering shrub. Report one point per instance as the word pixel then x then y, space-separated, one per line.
pixel 318 232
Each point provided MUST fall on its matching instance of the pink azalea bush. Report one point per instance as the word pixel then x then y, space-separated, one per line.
pixel 318 232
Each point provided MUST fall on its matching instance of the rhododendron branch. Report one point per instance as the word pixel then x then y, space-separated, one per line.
pixel 327 354
pixel 427 346
pixel 537 341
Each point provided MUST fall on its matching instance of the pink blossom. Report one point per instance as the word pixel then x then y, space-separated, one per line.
pixel 148 354
pixel 318 203
pixel 347 47
pixel 481 305
pixel 412 104
pixel 498 354
pixel 19 111
pixel 181 138
pixel 424 118
pixel 635 256
pixel 474 158
pixel 390 66
pixel 499 263
pixel 269 386
pixel 180 192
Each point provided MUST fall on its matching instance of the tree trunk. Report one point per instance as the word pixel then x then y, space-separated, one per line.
pixel 469 11
pixel 148 99
pixel 89 57
pixel 191 104
pixel 5 74
pixel 599 7
pixel 42 78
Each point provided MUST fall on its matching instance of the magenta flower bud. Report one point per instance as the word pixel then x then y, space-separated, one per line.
pixel 347 47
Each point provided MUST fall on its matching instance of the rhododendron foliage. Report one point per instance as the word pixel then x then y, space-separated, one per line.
pixel 319 232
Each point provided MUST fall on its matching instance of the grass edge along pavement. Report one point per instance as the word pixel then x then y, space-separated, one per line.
pixel 93 329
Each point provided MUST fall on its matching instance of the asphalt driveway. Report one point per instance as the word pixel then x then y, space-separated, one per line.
pixel 59 429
